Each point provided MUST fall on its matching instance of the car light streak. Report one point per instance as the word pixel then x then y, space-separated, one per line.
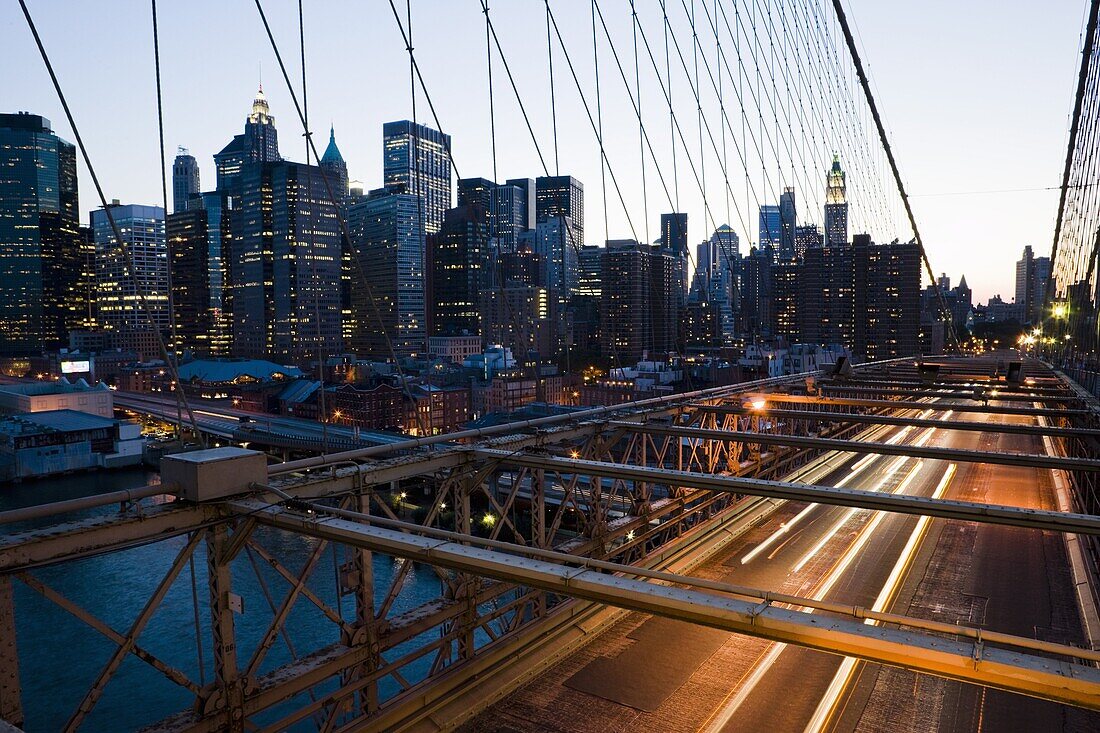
pixel 786 526
pixel 858 468
pixel 722 717
pixel 855 510
pixel 831 698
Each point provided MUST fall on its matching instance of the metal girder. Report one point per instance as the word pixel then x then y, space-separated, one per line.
pixel 1002 387
pixel 664 403
pixel 87 537
pixel 861 446
pixel 900 503
pixel 772 397
pixel 981 427
pixel 1013 671
pixel 979 394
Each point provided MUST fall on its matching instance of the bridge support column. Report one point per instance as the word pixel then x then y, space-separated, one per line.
pixel 366 625
pixel 228 694
pixel 539 531
pixel 11 704
pixel 466 585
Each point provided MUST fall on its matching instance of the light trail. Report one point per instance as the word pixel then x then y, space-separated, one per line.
pixel 786 526
pixel 889 474
pixel 217 415
pixel 857 469
pixel 721 718
pixel 829 701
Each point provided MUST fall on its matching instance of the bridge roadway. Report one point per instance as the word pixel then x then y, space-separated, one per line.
pixel 652 674
pixel 225 422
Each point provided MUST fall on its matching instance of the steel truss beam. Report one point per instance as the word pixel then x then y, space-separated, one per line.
pixel 84 538
pixel 773 397
pixel 900 503
pixel 875 419
pixel 860 446
pixel 1013 671
pixel 978 394
pixel 1002 387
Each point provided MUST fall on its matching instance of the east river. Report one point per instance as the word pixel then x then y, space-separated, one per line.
pixel 60 656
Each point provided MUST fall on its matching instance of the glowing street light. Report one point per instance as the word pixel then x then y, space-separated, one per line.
pixel 488 520
pixel 758 404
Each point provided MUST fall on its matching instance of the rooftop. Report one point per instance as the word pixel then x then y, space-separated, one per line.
pixel 216 370
pixel 61 386
pixel 53 421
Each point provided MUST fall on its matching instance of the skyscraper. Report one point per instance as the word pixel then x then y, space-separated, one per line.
pixel 506 206
pixel 887 299
pixel 1032 275
pixel 788 215
pixel 807 236
pixel 457 271
pixel 120 293
pixel 552 244
pixel 674 236
pixel 717 265
pixel 390 248
pixel 335 168
pixel 562 196
pixel 284 264
pixel 771 229
pixel 258 144
pixel 41 248
pixel 674 240
pixel 527 205
pixel 836 206
pixel 418 158
pixel 185 179
pixel 199 238
pixel 638 313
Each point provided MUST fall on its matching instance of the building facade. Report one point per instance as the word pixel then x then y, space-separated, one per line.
pixel 185 179
pixel 132 303
pixel 417 158
pixel 1032 276
pixel 836 206
pixel 562 197
pixel 638 316
pixel 457 270
pixel 43 254
pixel 389 246
pixel 284 264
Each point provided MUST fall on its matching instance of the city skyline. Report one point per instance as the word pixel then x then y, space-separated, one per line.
pixel 201 108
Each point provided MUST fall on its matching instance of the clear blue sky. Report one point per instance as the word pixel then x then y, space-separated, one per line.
pixel 976 94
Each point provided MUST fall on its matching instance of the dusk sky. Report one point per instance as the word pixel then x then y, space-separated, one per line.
pixel 976 95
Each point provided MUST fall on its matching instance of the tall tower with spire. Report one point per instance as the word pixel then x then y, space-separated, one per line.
pixel 260 131
pixel 259 143
pixel 335 168
pixel 836 206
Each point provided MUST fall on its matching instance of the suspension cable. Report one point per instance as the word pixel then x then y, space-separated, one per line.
pixel 128 254
pixel 177 388
pixel 332 197
pixel 894 168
